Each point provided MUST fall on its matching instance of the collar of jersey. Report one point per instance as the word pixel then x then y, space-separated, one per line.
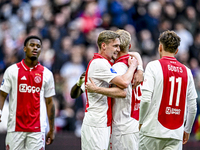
pixel 168 57
pixel 122 59
pixel 28 68
pixel 97 55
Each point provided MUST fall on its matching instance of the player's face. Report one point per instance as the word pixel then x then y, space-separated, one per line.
pixel 112 49
pixel 33 49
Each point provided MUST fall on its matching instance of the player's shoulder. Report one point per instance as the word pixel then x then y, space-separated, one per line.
pixel 99 63
pixel 12 67
pixel 46 70
pixel 153 63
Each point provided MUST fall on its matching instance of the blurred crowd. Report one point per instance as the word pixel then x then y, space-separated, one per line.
pixel 69 29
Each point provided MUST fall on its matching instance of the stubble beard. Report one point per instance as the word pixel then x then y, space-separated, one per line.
pixel 33 58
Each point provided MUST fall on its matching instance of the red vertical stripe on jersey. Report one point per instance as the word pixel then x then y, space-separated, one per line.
pixel 171 113
pixel 109 111
pixel 135 105
pixel 28 98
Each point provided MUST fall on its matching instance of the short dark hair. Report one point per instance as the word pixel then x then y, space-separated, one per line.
pixel 170 41
pixel 32 37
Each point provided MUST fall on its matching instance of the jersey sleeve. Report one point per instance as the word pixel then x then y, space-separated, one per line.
pixel 104 71
pixel 49 89
pixel 148 83
pixel 6 82
pixel 192 94
pixel 120 68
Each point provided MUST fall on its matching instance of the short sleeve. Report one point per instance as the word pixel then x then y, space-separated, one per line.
pixel 49 89
pixel 148 83
pixel 6 82
pixel 102 70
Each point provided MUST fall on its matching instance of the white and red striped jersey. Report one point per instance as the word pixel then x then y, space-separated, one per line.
pixel 125 110
pixel 98 111
pixel 172 87
pixel 27 88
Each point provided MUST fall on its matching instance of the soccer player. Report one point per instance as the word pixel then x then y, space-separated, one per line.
pixel 95 132
pixel 168 104
pixel 125 111
pixel 30 87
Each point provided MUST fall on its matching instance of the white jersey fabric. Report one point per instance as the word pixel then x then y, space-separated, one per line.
pixel 124 121
pixel 172 87
pixel 95 131
pixel 98 107
pixel 27 88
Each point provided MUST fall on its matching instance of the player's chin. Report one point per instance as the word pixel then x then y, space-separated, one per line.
pixel 114 56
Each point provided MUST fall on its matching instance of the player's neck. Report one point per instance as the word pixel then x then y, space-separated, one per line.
pixel 122 54
pixel 30 63
pixel 168 54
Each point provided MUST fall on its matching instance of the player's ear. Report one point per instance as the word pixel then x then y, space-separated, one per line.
pixel 176 51
pixel 25 49
pixel 129 46
pixel 103 46
pixel 160 48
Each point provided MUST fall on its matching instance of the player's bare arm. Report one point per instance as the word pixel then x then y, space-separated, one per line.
pixel 76 90
pixel 51 115
pixel 3 96
pixel 138 76
pixel 113 92
pixel 124 80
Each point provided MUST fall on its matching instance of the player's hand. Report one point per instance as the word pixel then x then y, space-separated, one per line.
pixel 132 61
pixel 82 76
pixel 137 78
pixel 50 137
pixel 0 115
pixel 140 125
pixel 91 87
pixel 185 137
pixel 81 79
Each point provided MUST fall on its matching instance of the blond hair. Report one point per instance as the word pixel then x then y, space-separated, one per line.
pixel 125 40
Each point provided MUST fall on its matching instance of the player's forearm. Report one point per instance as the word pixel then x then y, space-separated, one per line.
pixel 144 105
pixel 50 112
pixel 76 91
pixel 127 77
pixel 3 96
pixel 113 92
pixel 192 110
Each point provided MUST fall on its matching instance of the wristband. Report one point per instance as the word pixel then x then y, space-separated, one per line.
pixel 80 81
pixel 139 67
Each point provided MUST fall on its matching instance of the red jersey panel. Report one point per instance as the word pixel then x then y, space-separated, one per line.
pixel 28 94
pixel 172 106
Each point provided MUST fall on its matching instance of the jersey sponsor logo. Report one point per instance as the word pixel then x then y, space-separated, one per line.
pixel 23 78
pixel 170 111
pixel 27 88
pixel 112 70
pixel 2 82
pixel 37 79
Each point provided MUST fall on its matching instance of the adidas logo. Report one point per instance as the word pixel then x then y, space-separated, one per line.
pixel 23 78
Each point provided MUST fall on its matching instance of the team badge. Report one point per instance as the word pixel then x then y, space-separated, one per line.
pixel 37 79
